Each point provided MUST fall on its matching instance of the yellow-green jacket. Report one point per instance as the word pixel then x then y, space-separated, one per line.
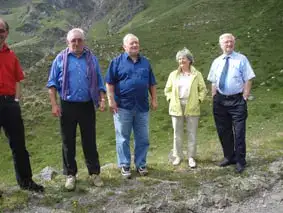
pixel 197 94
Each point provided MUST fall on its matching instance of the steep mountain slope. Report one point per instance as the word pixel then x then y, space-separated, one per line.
pixel 167 27
pixel 39 26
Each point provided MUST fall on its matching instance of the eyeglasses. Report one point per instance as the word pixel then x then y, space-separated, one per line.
pixel 2 30
pixel 79 40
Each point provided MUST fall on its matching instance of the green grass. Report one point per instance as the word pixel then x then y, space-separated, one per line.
pixel 13 19
pixel 163 29
pixel 98 30
pixel 15 200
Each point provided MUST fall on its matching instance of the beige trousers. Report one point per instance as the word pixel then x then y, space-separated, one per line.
pixel 191 129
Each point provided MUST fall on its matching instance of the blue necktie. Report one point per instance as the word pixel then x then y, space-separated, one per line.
pixel 224 74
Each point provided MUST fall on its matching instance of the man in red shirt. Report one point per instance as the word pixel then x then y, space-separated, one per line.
pixel 11 74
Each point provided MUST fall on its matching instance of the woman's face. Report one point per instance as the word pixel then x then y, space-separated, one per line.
pixel 184 62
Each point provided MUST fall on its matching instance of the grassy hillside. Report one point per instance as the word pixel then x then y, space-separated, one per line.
pixel 164 27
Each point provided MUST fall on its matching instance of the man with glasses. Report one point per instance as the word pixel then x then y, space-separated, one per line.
pixel 231 76
pixel 11 120
pixel 75 75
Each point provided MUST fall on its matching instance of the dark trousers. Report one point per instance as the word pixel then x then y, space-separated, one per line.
pixel 81 113
pixel 12 123
pixel 230 114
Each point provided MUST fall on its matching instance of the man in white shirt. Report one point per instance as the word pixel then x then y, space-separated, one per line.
pixel 230 75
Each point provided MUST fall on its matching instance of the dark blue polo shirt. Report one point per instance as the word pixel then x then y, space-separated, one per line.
pixel 131 81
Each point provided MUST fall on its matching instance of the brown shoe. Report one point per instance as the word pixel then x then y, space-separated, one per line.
pixel 95 180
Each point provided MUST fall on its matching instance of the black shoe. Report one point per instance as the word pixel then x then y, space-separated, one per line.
pixel 226 162
pixel 142 171
pixel 31 186
pixel 240 168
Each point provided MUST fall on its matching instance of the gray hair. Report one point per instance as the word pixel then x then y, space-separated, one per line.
pixel 185 53
pixel 129 36
pixel 225 35
pixel 79 30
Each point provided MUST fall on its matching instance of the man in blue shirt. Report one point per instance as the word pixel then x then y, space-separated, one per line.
pixel 128 80
pixel 230 75
pixel 75 75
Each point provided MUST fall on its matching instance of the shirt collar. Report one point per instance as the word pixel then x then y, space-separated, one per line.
pixel 193 70
pixel 127 56
pixel 5 48
pixel 231 55
pixel 69 52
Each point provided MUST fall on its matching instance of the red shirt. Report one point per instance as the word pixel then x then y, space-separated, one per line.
pixel 10 71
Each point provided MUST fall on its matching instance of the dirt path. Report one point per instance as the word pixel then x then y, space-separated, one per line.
pixel 256 192
pixel 265 202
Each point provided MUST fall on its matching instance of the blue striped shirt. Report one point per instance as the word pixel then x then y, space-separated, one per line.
pixel 239 72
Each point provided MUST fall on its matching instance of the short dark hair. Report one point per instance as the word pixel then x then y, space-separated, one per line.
pixel 5 23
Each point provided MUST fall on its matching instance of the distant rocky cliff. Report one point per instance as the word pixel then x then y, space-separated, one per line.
pixel 85 13
pixel 44 23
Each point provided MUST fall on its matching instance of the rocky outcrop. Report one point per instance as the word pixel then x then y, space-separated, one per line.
pixel 5 11
pixel 28 27
pixel 62 4
pixel 86 13
pixel 54 32
pixel 126 11
pixel 35 12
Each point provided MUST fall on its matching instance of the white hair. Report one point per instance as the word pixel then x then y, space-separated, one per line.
pixel 185 53
pixel 72 31
pixel 129 36
pixel 225 35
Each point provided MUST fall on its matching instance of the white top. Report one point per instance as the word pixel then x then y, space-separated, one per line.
pixel 183 86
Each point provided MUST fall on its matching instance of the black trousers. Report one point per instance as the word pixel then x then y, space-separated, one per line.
pixel 230 114
pixel 12 123
pixel 82 113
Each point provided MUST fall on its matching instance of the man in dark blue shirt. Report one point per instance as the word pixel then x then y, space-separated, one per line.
pixel 128 80
pixel 75 75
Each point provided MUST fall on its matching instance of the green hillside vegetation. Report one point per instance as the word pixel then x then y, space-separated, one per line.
pixel 163 28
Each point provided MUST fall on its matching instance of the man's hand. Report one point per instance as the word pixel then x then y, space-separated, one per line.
pixel 102 105
pixel 154 104
pixel 245 97
pixel 56 111
pixel 113 106
pixel 213 90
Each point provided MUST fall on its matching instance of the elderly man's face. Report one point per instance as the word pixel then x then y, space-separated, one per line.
pixel 3 33
pixel 132 46
pixel 76 42
pixel 227 44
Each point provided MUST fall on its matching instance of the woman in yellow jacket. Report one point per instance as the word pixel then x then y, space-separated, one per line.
pixel 185 90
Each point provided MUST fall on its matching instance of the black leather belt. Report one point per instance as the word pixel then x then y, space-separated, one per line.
pixel 5 98
pixel 230 96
